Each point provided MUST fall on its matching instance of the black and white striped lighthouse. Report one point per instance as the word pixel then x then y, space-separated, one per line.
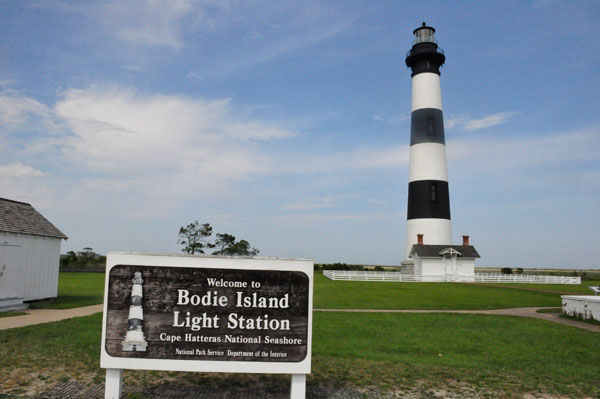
pixel 134 339
pixel 428 199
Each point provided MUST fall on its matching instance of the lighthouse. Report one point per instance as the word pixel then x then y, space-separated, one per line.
pixel 134 339
pixel 428 213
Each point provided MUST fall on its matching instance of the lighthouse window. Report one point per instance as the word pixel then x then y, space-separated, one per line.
pixel 430 126
pixel 433 192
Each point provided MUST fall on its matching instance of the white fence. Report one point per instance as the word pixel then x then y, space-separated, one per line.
pixel 477 278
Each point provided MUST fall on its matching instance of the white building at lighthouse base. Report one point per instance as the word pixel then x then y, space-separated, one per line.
pixel 435 260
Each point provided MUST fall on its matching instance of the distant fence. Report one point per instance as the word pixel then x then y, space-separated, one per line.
pixel 349 275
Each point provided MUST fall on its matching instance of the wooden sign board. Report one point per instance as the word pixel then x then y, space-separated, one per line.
pixel 207 313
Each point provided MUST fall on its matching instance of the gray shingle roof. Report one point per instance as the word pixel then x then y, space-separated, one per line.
pixel 466 251
pixel 20 217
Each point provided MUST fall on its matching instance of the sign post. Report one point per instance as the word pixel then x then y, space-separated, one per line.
pixel 207 314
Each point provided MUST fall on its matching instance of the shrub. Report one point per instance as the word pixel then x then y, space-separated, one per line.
pixel 342 266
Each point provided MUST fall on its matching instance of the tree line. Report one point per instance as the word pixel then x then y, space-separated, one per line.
pixel 196 239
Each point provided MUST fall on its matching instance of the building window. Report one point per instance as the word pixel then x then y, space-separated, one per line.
pixel 433 192
pixel 430 126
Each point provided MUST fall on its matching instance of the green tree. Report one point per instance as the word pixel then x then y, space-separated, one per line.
pixel 68 261
pixel 226 245
pixel 194 237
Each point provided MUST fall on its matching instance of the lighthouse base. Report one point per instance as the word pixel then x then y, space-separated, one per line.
pixel 135 346
pixel 434 231
pixel 407 267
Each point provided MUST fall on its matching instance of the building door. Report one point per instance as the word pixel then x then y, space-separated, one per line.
pixel 10 272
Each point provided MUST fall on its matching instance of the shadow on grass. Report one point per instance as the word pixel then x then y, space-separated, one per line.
pixel 588 321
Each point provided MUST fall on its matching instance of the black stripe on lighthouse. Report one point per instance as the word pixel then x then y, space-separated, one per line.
pixel 427 126
pixel 134 324
pixel 428 199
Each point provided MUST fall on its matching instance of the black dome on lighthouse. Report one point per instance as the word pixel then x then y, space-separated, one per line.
pixel 425 55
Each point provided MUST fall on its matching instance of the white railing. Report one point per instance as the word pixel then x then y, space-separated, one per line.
pixel 477 278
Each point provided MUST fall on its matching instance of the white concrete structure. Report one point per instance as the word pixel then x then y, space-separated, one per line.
pixel 434 260
pixel 29 255
pixel 582 306
pixel 442 260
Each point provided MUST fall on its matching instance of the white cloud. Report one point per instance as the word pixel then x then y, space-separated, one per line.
pixel 488 121
pixel 120 130
pixel 388 157
pixel 148 151
pixel 393 119
pixel 312 204
pixel 467 124
pixel 512 152
pixel 18 170
pixel 150 22
pixel 18 111
pixel 309 219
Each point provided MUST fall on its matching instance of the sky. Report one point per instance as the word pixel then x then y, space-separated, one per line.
pixel 287 124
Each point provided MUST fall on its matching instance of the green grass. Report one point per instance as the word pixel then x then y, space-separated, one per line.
pixel 83 289
pixel 440 296
pixel 550 310
pixel 500 352
pixel 389 351
pixel 10 314
pixel 75 290
pixel 576 289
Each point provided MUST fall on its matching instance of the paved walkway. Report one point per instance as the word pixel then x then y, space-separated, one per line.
pixel 522 312
pixel 38 316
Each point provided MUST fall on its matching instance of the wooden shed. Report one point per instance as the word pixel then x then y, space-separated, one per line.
pixel 29 255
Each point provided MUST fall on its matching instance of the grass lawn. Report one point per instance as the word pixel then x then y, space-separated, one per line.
pixel 498 352
pixel 10 314
pixel 75 290
pixel 575 289
pixel 83 289
pixel 393 295
pixel 505 355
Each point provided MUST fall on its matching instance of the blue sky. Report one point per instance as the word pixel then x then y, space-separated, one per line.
pixel 287 124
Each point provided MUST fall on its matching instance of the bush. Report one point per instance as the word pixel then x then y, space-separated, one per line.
pixel 506 270
pixel 342 266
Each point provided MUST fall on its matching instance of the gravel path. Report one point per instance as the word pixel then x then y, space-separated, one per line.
pixel 39 316
pixel 77 390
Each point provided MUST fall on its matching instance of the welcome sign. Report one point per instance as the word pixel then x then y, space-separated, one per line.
pixel 207 313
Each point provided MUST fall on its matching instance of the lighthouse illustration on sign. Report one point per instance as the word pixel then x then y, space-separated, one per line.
pixel 134 340
pixel 428 199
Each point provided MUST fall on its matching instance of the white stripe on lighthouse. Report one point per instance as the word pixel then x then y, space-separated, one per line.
pixel 435 232
pixel 426 91
pixel 427 162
